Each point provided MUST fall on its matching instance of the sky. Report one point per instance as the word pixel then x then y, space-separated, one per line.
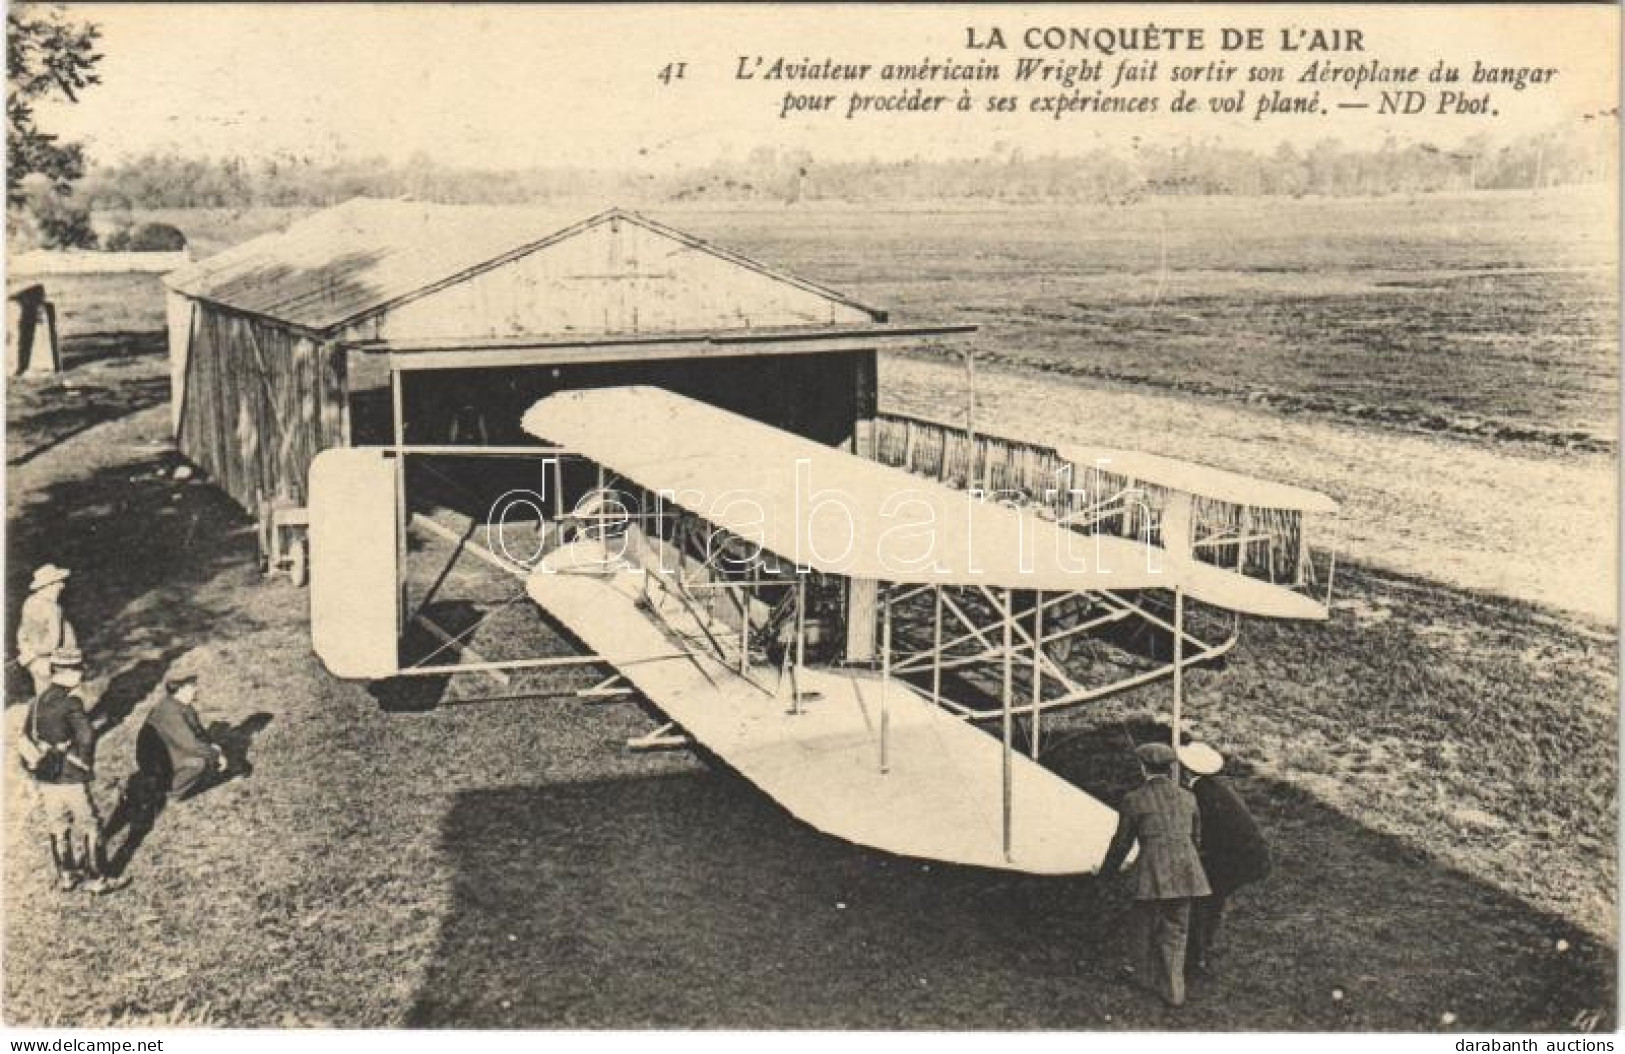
pixel 510 86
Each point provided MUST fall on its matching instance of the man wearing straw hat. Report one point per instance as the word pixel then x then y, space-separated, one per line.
pixel 42 628
pixel 1162 817
pixel 1234 853
pixel 57 723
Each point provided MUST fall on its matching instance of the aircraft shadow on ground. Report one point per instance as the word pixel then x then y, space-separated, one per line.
pixel 692 900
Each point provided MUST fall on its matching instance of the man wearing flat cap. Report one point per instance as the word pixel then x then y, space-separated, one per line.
pixel 1233 850
pixel 175 725
pixel 1162 817
pixel 58 724
pixel 42 629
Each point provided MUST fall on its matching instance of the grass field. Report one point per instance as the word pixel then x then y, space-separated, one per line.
pixel 1436 770
pixel 1485 316
pixel 1489 315
pixel 511 865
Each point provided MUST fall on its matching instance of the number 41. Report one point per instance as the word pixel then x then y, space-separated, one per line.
pixel 672 72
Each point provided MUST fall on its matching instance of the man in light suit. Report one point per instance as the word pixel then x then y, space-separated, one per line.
pixel 1162 817
pixel 42 629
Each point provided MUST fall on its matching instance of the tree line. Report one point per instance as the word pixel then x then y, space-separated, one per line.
pixel 52 188
pixel 169 179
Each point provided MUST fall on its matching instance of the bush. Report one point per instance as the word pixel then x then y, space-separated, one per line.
pixel 60 224
pixel 156 238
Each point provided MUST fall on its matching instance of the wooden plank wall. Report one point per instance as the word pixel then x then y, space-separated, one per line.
pixel 261 402
pixel 178 312
pixel 617 277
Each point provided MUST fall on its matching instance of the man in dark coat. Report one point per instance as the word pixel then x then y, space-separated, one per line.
pixel 1234 853
pixel 58 723
pixel 174 723
pixel 1162 818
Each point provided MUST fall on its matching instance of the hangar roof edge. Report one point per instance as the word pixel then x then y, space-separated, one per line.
pixel 368 255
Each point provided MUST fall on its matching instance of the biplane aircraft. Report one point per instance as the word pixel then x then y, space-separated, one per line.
pixel 701 556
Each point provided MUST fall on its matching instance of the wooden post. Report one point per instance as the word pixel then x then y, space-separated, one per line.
pixel 1179 666
pixel 865 401
pixel 801 622
pixel 558 489
pixel 860 592
pixel 936 650
pixel 744 631
pixel 1038 668
pixel 16 319
pixel 52 345
pixel 1246 528
pixel 35 319
pixel 801 639
pixel 970 418
pixel 1009 616
pixel 1300 554
pixel 397 402
pixel 862 616
pixel 885 679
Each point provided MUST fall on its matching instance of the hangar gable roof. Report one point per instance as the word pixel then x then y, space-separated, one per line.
pixel 363 257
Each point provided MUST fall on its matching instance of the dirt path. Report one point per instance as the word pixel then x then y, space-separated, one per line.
pixel 1534 527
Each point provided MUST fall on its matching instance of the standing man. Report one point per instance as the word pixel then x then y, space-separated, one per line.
pixel 1162 817
pixel 175 722
pixel 1234 853
pixel 59 724
pixel 42 629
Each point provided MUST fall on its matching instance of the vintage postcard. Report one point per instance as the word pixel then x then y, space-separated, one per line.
pixel 1079 518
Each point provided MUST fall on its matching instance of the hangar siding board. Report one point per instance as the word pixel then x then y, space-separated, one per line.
pixel 260 403
pixel 337 265
pixel 369 258
pixel 260 376
pixel 616 277
pixel 178 316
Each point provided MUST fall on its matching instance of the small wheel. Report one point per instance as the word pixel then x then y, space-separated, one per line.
pixel 263 528
pixel 299 562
